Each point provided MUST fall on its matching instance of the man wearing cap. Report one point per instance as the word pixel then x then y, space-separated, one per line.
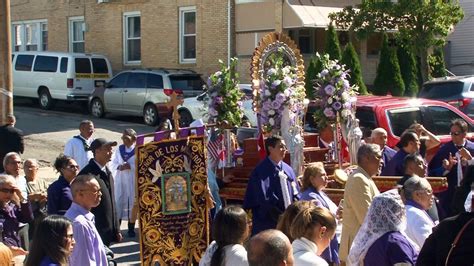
pixel 78 146
pixel 123 168
pixel 106 220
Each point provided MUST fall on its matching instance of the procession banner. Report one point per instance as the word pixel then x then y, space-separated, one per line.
pixel 172 195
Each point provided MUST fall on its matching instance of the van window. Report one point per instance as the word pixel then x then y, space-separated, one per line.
pixel 441 90
pixel 403 118
pixel 24 62
pixel 63 67
pixel 136 80
pixel 186 82
pixel 154 81
pixel 83 65
pixel 100 65
pixel 46 63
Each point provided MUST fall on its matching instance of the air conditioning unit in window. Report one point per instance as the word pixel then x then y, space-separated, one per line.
pixel 102 1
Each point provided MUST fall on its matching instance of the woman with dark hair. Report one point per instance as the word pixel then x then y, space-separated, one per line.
pixel 53 242
pixel 59 192
pixel 229 231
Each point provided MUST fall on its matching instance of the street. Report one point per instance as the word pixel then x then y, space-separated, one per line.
pixel 46 132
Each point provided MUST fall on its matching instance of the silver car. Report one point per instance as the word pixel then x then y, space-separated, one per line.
pixel 144 92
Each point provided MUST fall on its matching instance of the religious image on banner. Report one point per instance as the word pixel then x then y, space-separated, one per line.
pixel 173 201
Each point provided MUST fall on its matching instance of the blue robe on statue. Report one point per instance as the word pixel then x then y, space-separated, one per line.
pixel 264 194
pixel 394 167
pixel 446 197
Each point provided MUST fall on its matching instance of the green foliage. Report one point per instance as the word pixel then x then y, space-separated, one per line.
pixel 389 78
pixel 332 44
pixel 351 60
pixel 422 23
pixel 409 70
pixel 436 62
pixel 311 74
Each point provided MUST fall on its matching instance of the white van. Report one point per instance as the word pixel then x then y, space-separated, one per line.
pixel 50 76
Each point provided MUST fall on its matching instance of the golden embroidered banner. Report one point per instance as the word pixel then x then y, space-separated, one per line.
pixel 172 194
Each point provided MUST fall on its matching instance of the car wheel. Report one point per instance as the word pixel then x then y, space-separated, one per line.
pixel 97 108
pixel 45 100
pixel 185 118
pixel 150 115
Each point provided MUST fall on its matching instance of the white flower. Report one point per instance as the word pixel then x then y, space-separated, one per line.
pixel 268 93
pixel 345 113
pixel 286 92
pixel 286 70
pixel 271 72
pixel 345 96
pixel 271 121
pixel 329 100
pixel 271 112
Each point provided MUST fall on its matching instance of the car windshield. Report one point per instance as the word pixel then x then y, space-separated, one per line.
pixel 441 90
pixel 186 82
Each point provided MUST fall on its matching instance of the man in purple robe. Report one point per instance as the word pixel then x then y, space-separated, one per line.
pixel 271 188
pixel 451 149
pixel 410 143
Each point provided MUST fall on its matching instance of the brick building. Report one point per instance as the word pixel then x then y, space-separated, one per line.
pixel 190 34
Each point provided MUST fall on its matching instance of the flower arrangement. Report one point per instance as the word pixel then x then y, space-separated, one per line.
pixel 279 89
pixel 225 97
pixel 334 95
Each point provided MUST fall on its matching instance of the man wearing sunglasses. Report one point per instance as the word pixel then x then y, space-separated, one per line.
pixel 459 147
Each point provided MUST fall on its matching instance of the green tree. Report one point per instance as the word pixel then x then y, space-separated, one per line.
pixel 332 44
pixel 312 72
pixel 389 78
pixel 408 69
pixel 437 66
pixel 351 59
pixel 422 23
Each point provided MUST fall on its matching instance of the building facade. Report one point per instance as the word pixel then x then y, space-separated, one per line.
pixel 190 34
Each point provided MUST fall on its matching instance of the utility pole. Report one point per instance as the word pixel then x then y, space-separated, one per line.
pixel 6 82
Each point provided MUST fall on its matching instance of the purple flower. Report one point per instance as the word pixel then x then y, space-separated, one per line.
pixel 347 105
pixel 280 97
pixel 267 105
pixel 345 84
pixel 328 112
pixel 324 72
pixel 213 112
pixel 329 89
pixel 219 100
pixel 337 106
pixel 288 81
pixel 276 105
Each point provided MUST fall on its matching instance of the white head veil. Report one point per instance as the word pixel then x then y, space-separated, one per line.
pixel 386 213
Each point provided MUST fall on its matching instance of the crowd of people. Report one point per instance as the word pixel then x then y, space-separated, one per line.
pixel 75 219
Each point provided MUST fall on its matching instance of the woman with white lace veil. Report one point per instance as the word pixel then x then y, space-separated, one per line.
pixel 381 240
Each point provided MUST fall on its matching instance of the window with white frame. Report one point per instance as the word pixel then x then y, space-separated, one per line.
pixel 132 38
pixel 77 28
pixel 187 34
pixel 30 35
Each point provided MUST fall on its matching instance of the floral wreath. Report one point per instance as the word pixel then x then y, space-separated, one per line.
pixel 279 89
pixel 225 97
pixel 333 93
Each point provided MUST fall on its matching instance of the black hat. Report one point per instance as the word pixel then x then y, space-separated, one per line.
pixel 97 143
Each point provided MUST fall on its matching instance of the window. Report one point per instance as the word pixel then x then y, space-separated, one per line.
pixel 154 81
pixel 187 34
pixel 136 80
pixel 401 119
pixel 441 90
pixel 100 66
pixel 30 36
pixel 83 65
pixel 441 118
pixel 46 63
pixel 77 28
pixel 132 38
pixel 63 67
pixel 186 82
pixel 119 81
pixel 24 62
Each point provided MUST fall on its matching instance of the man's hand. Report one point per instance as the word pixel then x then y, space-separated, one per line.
pixel 465 154
pixel 17 251
pixel 450 162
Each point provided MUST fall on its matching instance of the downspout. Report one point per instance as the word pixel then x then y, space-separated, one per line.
pixel 228 32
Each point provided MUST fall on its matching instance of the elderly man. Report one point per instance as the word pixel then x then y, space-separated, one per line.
pixel 271 188
pixel 410 143
pixel 78 146
pixel 270 248
pixel 105 213
pixel 36 188
pixel 419 198
pixel 14 209
pixel 89 248
pixel 359 191
pixel 460 148
pixel 11 139
pixel 379 137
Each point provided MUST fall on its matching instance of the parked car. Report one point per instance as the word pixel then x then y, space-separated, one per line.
pixel 144 92
pixel 457 91
pixel 51 76
pixel 396 114
pixel 196 107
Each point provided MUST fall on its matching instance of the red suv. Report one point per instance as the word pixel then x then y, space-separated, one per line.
pixel 396 114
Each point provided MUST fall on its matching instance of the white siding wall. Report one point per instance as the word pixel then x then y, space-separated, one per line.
pixel 461 47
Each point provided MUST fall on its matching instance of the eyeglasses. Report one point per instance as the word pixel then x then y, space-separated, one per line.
pixel 95 192
pixel 455 133
pixel 70 237
pixel 7 190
